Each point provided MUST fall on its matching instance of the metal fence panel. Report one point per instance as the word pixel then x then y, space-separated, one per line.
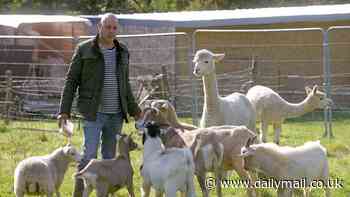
pixel 286 60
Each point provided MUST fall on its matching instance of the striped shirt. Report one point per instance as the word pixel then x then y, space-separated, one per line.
pixel 110 101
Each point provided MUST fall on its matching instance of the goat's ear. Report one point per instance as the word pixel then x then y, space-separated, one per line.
pixel 164 107
pixel 219 56
pixel 245 152
pixel 249 142
pixel 255 138
pixel 65 150
pixel 155 110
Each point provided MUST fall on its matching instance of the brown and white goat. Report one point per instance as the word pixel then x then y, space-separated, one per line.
pixel 109 175
pixel 167 114
pixel 209 147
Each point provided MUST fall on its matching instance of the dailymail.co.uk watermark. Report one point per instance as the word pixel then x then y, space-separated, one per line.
pixel 273 183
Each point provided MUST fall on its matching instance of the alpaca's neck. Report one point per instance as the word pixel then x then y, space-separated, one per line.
pixel 152 146
pixel 298 109
pixel 211 93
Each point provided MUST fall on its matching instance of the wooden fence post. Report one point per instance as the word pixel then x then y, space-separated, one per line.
pixel 8 97
pixel 164 84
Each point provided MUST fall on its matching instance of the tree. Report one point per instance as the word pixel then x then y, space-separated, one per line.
pixel 131 6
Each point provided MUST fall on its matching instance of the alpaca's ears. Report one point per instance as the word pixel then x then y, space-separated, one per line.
pixel 308 90
pixel 313 90
pixel 164 107
pixel 219 56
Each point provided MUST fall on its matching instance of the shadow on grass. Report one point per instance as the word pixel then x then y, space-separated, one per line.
pixel 319 116
pixel 4 128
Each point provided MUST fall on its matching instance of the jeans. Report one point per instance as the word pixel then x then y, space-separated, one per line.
pixel 103 130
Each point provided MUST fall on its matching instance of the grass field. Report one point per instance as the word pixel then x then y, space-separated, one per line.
pixel 16 145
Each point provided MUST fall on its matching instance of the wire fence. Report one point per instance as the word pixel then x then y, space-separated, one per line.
pixel 32 77
pixel 285 60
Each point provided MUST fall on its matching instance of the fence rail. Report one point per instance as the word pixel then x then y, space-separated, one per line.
pixel 268 57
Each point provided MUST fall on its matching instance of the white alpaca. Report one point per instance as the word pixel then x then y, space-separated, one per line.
pixel 271 108
pixel 234 109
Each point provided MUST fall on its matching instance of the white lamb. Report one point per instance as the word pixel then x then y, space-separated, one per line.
pixel 41 175
pixel 271 108
pixel 166 170
pixel 308 162
pixel 234 109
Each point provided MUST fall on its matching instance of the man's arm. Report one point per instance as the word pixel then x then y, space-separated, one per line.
pixel 71 83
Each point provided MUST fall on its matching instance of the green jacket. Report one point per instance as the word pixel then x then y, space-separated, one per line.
pixel 86 74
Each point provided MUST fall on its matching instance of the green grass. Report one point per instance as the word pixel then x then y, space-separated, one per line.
pixel 15 145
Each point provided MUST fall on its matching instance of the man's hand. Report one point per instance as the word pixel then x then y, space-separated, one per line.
pixel 138 116
pixel 62 118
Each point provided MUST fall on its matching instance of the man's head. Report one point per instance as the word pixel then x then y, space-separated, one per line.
pixel 108 26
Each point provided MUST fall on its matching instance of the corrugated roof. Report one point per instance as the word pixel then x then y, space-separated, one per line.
pixel 16 20
pixel 240 16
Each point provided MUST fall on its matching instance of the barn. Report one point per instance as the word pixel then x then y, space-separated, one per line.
pixel 35 49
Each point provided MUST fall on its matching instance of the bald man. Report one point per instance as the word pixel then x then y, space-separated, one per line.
pixel 99 70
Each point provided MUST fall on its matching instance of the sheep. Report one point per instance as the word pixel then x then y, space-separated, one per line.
pixel 271 108
pixel 44 174
pixel 308 162
pixel 109 175
pixel 214 148
pixel 166 170
pixel 234 109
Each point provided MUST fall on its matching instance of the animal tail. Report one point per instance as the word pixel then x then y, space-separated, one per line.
pixel 209 139
pixel 78 175
pixel 189 159
pixel 85 169
pixel 32 187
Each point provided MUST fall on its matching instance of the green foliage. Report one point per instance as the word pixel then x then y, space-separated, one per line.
pixel 3 129
pixel 15 145
pixel 131 6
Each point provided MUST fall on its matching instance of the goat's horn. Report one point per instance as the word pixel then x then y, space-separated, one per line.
pixel 144 99
pixel 147 96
